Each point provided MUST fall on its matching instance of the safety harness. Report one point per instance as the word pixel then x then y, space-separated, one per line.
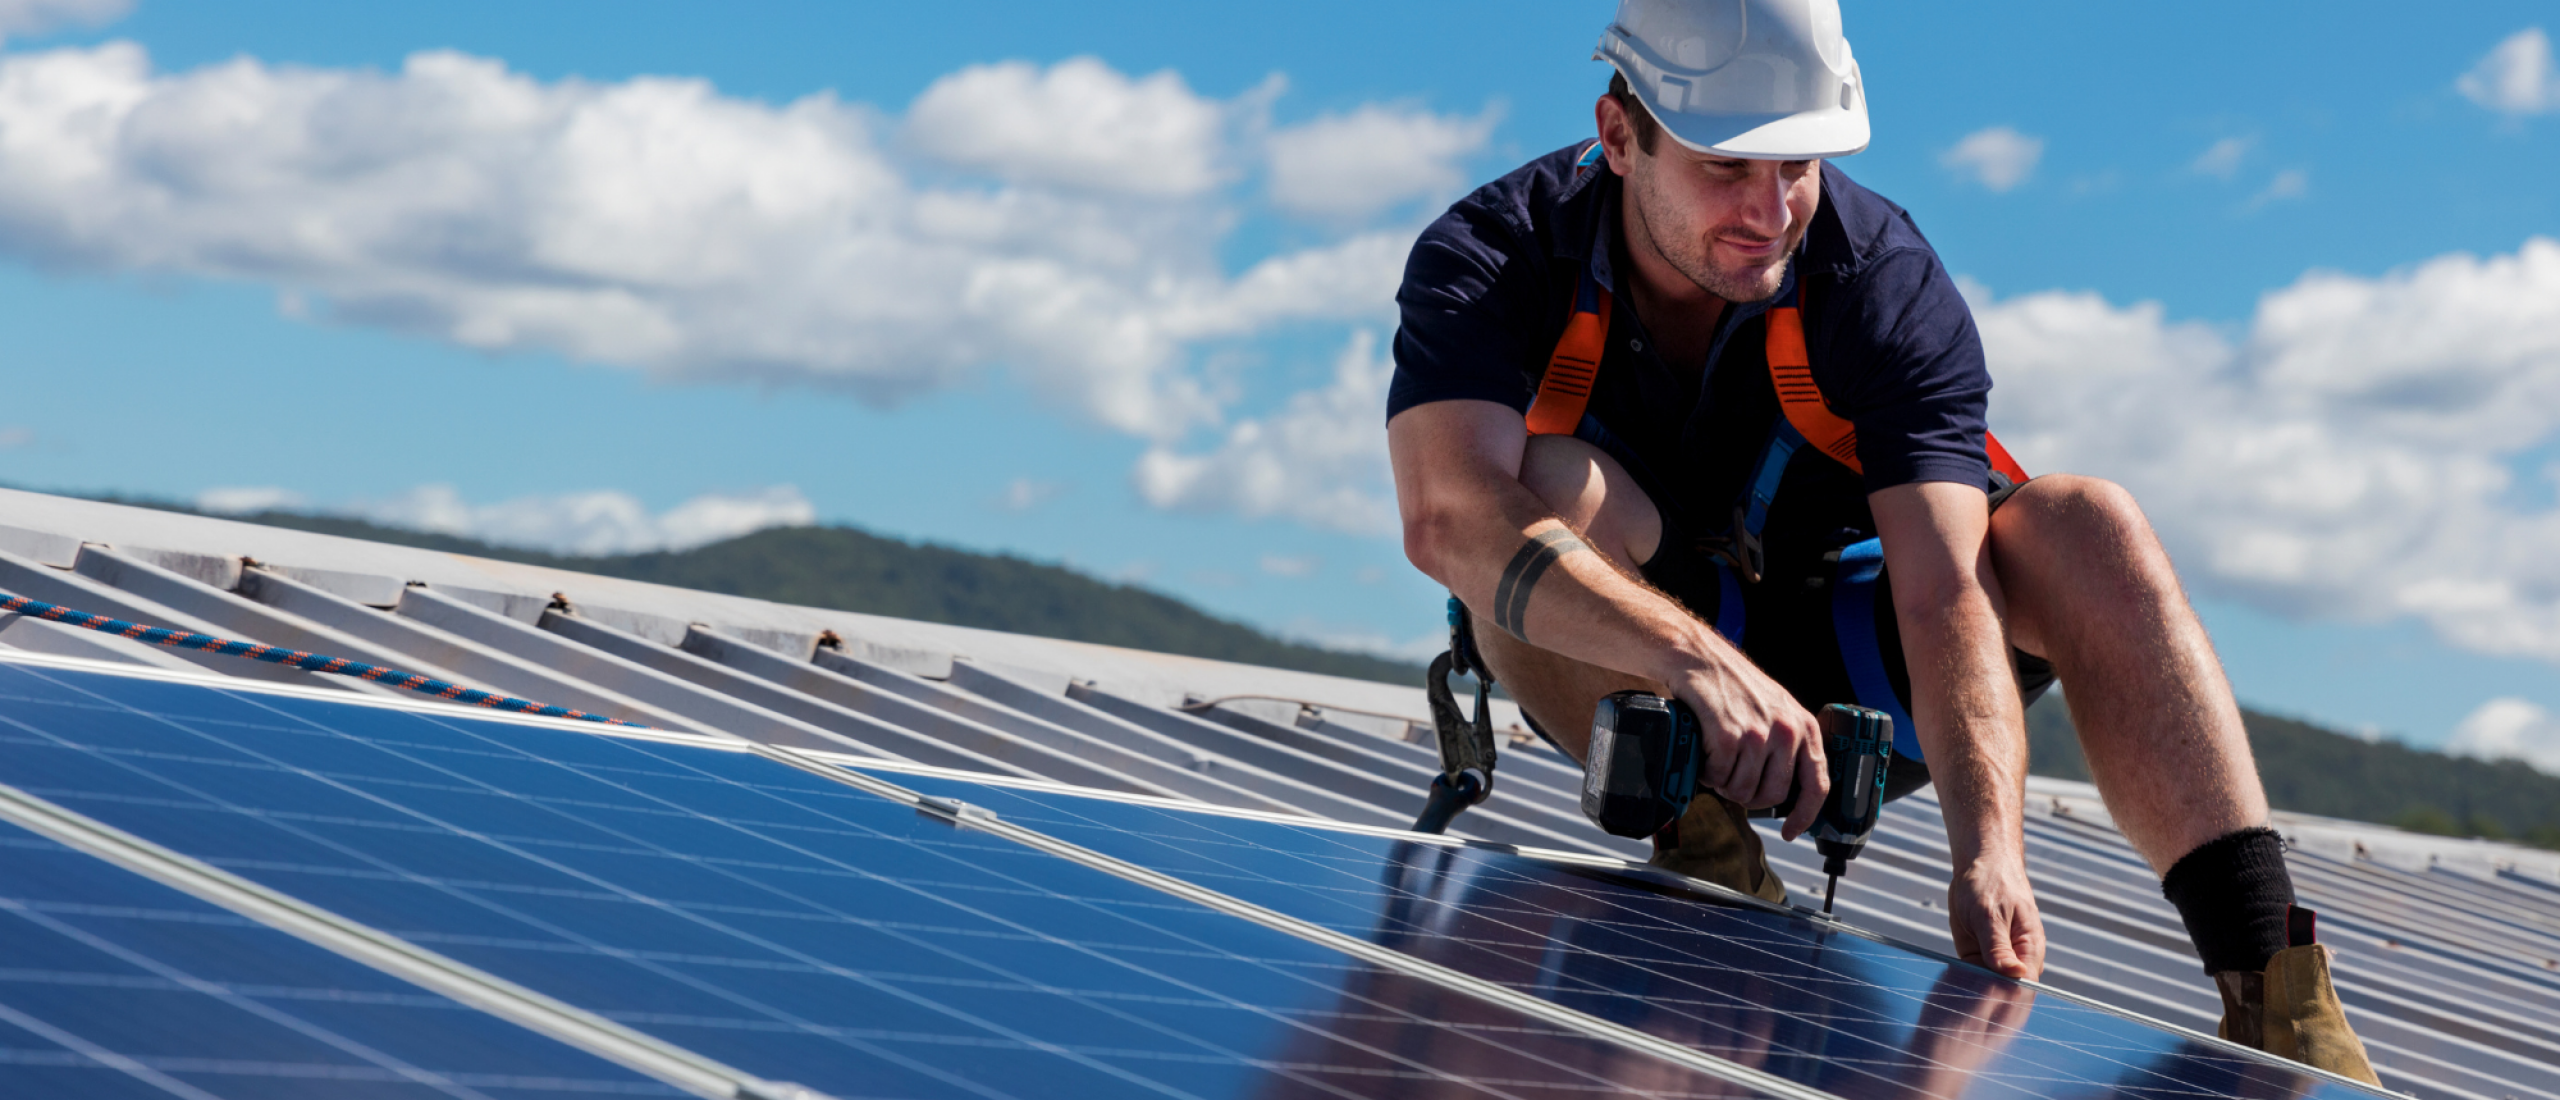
pixel 1564 392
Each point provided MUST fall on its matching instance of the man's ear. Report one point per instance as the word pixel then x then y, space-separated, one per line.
pixel 1617 134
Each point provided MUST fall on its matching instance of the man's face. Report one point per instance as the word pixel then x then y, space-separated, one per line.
pixel 1726 223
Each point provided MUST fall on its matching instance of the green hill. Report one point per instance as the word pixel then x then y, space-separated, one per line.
pixel 2312 770
pixel 852 570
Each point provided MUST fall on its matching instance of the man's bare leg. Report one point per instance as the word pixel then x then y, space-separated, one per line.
pixel 2089 588
pixel 1595 497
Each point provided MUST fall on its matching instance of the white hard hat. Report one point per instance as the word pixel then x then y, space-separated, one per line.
pixel 1763 79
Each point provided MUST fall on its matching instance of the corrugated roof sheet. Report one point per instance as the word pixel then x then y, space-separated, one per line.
pixel 2448 951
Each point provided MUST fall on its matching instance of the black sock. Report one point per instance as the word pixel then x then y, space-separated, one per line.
pixel 2233 893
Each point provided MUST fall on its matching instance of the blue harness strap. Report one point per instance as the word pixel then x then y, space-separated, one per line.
pixel 1764 483
pixel 1853 621
pixel 1728 605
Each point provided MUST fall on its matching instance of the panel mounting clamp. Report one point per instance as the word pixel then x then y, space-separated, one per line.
pixel 955 811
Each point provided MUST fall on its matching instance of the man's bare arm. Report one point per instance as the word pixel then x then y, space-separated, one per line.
pixel 1471 525
pixel 1965 702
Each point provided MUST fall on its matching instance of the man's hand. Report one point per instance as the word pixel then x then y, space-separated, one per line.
pixel 1991 911
pixel 1759 742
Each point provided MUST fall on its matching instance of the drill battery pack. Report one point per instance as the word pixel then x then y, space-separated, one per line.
pixel 1643 764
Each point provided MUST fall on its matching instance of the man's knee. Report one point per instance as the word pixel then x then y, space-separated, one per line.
pixel 2069 549
pixel 2070 515
pixel 1595 496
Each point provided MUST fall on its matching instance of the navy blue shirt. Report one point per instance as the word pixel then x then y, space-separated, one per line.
pixel 1490 284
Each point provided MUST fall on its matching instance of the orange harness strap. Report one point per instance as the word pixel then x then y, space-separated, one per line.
pixel 1565 391
pixel 1791 372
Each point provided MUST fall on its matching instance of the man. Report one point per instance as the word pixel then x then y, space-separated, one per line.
pixel 1608 445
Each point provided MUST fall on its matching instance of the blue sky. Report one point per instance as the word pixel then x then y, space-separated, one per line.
pixel 2273 265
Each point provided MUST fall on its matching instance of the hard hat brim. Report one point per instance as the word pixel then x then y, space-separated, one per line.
pixel 1808 135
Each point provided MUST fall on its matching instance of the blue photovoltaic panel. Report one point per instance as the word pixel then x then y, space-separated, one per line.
pixel 1786 995
pixel 788 925
pixel 113 985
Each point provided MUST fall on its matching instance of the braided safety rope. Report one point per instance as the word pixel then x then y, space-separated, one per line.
pixel 308 662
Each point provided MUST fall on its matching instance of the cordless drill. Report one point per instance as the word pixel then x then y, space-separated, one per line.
pixel 1646 753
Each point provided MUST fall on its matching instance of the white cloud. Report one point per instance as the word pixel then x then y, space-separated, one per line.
pixel 1349 166
pixel 601 522
pixel 241 500
pixel 2222 159
pixel 1281 565
pixel 1321 460
pixel 19 17
pixel 2517 77
pixel 656 224
pixel 2292 183
pixel 1081 124
pixel 2350 458
pixel 1999 158
pixel 2509 729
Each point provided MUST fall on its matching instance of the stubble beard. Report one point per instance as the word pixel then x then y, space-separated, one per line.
pixel 1689 255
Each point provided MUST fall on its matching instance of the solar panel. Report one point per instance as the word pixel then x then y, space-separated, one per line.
pixel 1784 994
pixel 783 923
pixel 114 985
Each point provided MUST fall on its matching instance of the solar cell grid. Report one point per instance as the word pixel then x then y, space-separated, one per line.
pixel 114 985
pixel 785 924
pixel 1784 994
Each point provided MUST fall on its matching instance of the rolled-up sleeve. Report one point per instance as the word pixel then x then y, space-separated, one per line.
pixel 1467 307
pixel 1910 373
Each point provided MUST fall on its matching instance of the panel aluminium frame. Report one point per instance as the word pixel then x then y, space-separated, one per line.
pixel 1339 886
pixel 2080 879
pixel 108 977
pixel 306 734
pixel 389 954
pixel 1384 958
pixel 2116 1006
pixel 808 761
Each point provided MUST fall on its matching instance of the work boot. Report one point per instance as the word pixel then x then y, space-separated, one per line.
pixel 1714 842
pixel 2291 1010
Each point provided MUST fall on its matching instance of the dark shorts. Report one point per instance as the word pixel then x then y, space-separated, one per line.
pixel 1821 636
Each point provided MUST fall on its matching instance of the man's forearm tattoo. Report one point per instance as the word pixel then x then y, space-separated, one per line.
pixel 1511 597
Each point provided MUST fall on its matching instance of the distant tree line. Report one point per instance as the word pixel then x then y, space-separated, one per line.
pixel 2312 770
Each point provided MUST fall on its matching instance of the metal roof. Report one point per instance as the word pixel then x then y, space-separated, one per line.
pixel 2448 952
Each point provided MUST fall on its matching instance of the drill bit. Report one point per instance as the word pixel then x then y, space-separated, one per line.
pixel 1829 889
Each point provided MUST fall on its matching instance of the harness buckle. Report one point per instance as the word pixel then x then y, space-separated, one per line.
pixel 1741 551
